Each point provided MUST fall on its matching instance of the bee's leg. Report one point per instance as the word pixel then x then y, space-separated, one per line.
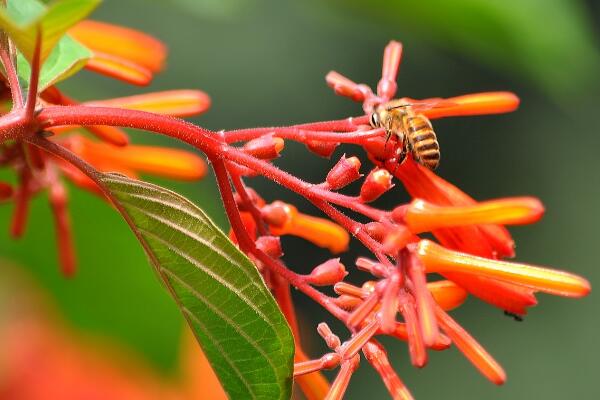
pixel 400 157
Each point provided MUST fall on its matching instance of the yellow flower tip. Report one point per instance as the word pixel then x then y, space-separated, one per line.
pixel 278 144
pixel 175 103
pixel 447 294
pixel 436 258
pixel 422 216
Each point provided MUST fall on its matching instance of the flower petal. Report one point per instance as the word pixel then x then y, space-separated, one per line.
pixel 480 358
pixel 176 103
pixel 119 68
pixel 160 161
pixel 473 104
pixel 483 240
pixel 319 231
pixel 436 258
pixel 121 42
pixel 447 294
pixel 422 216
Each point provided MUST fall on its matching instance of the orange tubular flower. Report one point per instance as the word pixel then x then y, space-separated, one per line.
pixel 471 104
pixel 437 258
pixel 319 231
pixel 120 52
pixel 176 103
pixel 133 159
pixel 484 240
pixel 422 216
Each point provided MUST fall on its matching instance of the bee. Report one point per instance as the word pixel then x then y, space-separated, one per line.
pixel 413 132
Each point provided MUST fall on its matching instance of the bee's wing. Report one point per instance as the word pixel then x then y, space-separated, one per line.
pixel 470 104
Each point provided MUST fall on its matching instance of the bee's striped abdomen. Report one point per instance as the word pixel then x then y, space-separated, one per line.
pixel 422 141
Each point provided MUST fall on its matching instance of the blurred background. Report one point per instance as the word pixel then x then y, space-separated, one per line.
pixel 263 62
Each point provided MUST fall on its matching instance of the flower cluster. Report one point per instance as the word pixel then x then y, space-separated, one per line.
pixel 119 53
pixel 402 299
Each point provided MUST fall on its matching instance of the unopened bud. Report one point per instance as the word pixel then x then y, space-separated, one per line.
pixel 265 147
pixel 328 273
pixel 344 172
pixel 373 267
pixel 277 214
pixel 323 149
pixel 332 340
pixel 376 230
pixel 270 245
pixel 347 302
pixel 377 183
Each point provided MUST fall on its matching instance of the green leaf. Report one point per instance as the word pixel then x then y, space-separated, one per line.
pixel 66 58
pixel 22 18
pixel 219 291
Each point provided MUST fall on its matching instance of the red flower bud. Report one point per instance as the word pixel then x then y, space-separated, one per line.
pixel 344 172
pixel 271 245
pixel 377 183
pixel 323 149
pixel 277 214
pixel 265 147
pixel 376 230
pixel 328 273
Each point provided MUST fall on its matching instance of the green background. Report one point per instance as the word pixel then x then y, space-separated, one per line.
pixel 263 63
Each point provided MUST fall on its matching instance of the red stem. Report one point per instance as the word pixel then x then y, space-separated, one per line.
pixel 11 74
pixel 304 135
pixel 248 246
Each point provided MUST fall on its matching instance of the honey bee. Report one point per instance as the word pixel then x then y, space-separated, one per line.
pixel 412 130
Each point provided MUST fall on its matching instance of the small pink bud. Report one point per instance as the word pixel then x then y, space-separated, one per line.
pixel 377 183
pixel 373 267
pixel 323 149
pixel 265 147
pixel 332 340
pixel 344 172
pixel 271 245
pixel 328 273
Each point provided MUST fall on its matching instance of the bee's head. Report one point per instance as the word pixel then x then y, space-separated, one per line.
pixel 374 120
